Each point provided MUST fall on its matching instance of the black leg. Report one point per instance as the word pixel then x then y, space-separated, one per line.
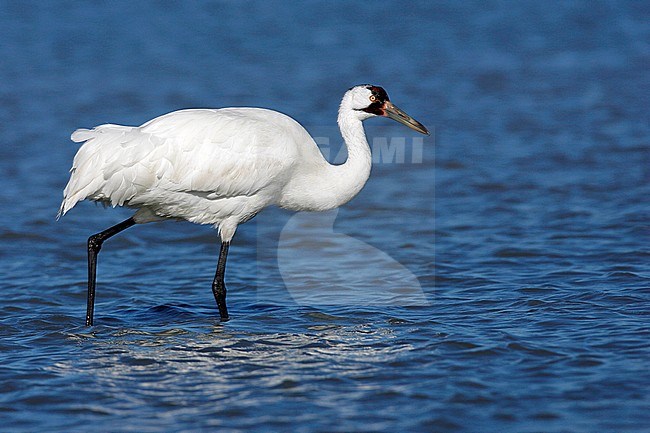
pixel 94 245
pixel 218 285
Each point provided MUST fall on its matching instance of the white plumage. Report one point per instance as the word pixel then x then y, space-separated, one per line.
pixel 222 166
pixel 205 166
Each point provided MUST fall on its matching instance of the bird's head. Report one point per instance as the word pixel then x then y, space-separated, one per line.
pixel 369 101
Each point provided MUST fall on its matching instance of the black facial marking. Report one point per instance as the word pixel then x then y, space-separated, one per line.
pixel 379 93
pixel 377 107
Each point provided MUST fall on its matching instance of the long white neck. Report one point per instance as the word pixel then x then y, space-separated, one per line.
pixel 351 176
pixel 319 185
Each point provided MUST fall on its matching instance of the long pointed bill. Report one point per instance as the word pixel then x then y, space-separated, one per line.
pixel 396 114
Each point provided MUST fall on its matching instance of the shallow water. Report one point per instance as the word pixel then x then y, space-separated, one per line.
pixel 496 281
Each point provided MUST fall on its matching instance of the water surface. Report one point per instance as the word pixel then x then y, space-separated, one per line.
pixel 500 283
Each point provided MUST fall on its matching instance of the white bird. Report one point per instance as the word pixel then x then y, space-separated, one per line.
pixel 220 167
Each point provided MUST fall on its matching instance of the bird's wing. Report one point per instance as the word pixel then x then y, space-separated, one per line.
pixel 213 153
pixel 224 153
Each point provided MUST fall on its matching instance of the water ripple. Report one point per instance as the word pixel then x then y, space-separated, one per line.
pixel 520 299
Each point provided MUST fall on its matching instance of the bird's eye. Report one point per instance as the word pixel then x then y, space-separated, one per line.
pixel 373 98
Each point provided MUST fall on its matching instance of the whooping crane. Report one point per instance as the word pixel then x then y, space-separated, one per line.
pixel 220 167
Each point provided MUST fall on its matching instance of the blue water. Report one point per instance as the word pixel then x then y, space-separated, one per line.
pixel 501 282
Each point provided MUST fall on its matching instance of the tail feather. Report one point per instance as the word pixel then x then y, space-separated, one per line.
pixel 81 135
pixel 88 171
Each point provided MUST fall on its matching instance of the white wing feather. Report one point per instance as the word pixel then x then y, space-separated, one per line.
pixel 190 155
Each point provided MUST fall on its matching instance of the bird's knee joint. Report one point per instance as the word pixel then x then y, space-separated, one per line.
pixel 95 243
pixel 218 286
